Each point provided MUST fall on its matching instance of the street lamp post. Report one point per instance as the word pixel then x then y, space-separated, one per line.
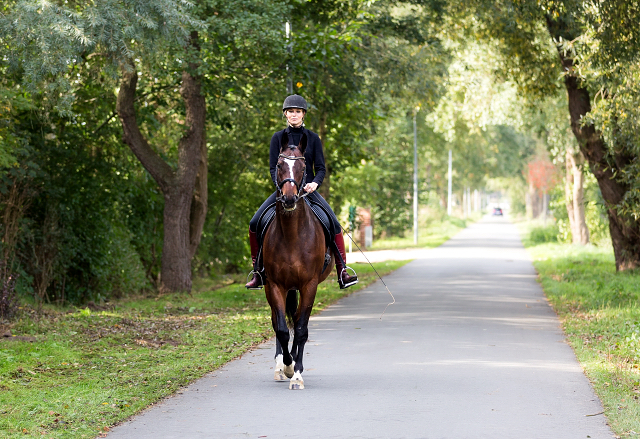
pixel 415 178
pixel 450 186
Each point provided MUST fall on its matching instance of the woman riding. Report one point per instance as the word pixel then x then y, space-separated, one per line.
pixel 295 109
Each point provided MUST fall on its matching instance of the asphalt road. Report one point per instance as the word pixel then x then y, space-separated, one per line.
pixel 471 349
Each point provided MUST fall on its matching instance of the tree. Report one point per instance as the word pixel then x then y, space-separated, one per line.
pixel 549 121
pixel 168 43
pixel 574 196
pixel 527 34
pixel 185 189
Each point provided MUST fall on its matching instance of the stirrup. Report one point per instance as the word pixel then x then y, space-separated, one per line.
pixel 348 284
pixel 259 287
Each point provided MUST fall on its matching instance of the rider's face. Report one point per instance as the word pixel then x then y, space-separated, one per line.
pixel 294 116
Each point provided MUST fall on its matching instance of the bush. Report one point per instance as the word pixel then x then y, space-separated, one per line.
pixel 542 234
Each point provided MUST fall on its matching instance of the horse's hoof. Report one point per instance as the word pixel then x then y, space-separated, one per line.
pixel 279 375
pixel 288 370
pixel 296 382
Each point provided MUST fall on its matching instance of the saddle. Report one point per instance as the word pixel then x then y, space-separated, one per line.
pixel 327 226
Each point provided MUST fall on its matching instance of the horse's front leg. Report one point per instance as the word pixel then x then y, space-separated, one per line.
pixel 278 373
pixel 301 332
pixel 284 360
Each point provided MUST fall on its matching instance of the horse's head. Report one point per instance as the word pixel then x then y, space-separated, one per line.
pixel 290 174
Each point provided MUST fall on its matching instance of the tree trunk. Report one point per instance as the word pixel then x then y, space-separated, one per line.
pixel 568 194
pixel 183 218
pixel 535 203
pixel 200 201
pixel 625 231
pixel 574 197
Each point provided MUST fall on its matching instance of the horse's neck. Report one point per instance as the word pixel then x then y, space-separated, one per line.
pixel 292 223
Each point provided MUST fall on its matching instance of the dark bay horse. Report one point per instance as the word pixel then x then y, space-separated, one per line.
pixel 294 252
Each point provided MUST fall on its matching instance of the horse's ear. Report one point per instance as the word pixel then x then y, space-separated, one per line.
pixel 284 143
pixel 303 143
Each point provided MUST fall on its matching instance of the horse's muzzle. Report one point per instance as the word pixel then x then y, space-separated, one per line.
pixel 290 203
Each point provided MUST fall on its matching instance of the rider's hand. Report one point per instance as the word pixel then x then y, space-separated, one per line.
pixel 310 187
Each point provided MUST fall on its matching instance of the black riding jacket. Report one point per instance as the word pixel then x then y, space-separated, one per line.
pixel 313 154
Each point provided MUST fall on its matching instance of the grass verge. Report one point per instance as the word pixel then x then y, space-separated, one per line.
pixel 88 370
pixel 600 313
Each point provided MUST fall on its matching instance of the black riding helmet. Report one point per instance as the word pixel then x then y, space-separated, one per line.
pixel 294 101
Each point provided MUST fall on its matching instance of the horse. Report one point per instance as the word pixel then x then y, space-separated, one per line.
pixel 295 259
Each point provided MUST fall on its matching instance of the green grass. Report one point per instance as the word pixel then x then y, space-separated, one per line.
pixel 430 235
pixel 600 313
pixel 88 370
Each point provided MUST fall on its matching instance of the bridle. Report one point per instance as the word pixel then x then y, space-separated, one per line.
pixel 298 186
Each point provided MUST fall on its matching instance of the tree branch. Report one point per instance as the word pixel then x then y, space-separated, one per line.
pixel 158 168
pixel 115 113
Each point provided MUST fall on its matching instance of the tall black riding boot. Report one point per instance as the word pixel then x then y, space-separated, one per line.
pixel 344 279
pixel 257 281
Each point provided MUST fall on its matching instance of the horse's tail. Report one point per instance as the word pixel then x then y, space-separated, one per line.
pixel 291 306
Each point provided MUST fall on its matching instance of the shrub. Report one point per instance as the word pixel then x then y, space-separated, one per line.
pixel 542 234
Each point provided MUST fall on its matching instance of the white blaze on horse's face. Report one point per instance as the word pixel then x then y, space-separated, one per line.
pixel 291 164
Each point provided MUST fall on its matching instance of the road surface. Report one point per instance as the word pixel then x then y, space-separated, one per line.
pixel 471 349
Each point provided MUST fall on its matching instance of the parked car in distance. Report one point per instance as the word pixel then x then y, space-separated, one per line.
pixel 497 211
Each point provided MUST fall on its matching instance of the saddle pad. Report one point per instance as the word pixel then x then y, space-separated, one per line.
pixel 323 217
pixel 263 223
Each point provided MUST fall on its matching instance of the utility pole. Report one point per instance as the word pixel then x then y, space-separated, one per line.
pixel 450 186
pixel 415 178
pixel 287 29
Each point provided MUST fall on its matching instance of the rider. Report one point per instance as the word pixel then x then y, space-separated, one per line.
pixel 294 109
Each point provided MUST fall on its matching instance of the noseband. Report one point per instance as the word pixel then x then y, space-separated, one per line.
pixel 298 186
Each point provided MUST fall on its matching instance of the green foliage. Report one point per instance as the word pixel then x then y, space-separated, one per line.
pixel 80 222
pixel 616 115
pixel 596 213
pixel 11 103
pixel 364 68
pixel 516 191
pixel 239 182
pixel 543 234
pixel 94 213
pixel 43 41
pixel 600 51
